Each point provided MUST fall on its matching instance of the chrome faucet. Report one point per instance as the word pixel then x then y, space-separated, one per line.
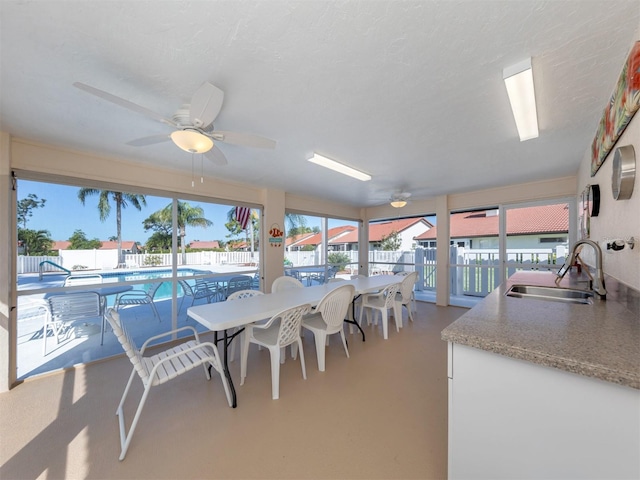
pixel 598 281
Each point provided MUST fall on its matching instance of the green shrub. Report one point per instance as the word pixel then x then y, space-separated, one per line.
pixel 339 260
pixel 153 260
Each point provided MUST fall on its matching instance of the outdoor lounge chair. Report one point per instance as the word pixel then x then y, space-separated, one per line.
pixel 202 289
pixel 159 368
pixel 88 279
pixel 240 282
pixel 139 297
pixel 68 308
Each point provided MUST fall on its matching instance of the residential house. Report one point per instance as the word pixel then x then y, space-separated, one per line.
pixel 128 246
pixel 530 227
pixel 299 242
pixel 292 244
pixel 204 245
pixel 406 228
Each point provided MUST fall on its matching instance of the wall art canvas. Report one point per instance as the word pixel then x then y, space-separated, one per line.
pixel 623 104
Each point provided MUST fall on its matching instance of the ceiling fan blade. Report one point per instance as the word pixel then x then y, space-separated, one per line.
pixel 205 105
pixel 123 103
pixel 245 139
pixel 153 139
pixel 216 156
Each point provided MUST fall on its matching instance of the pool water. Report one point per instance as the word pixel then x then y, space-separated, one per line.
pixel 148 274
pixel 164 291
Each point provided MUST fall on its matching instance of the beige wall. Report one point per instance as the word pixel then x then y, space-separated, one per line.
pixel 617 218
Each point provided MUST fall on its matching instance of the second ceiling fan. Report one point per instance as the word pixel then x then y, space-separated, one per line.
pixel 192 123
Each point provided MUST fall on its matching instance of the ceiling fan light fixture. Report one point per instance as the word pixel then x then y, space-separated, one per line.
pixel 339 167
pixel 192 141
pixel 399 200
pixel 518 80
pixel 398 203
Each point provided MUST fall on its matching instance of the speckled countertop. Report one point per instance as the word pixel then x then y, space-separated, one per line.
pixel 600 340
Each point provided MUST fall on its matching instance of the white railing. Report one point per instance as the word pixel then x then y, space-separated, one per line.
pixel 473 271
pixel 26 264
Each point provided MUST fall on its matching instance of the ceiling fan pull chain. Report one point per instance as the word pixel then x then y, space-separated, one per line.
pixel 192 175
pixel 201 168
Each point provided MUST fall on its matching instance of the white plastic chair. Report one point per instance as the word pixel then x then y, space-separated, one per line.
pixel 285 282
pixel 405 296
pixel 328 319
pixel 139 297
pixel 381 302
pixel 281 330
pixel 159 368
pixel 68 308
pixel 240 294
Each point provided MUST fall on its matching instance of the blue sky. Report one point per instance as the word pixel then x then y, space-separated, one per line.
pixel 63 213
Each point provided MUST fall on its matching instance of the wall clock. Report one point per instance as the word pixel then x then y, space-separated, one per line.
pixel 624 172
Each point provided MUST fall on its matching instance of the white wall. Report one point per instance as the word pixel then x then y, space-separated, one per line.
pixel 617 218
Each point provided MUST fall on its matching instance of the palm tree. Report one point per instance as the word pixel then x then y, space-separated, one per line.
pixel 122 200
pixel 36 242
pixel 187 215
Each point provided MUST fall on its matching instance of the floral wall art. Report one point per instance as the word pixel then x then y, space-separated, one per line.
pixel 623 104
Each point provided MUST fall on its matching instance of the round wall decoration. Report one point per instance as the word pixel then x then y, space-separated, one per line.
pixel 624 172
pixel 593 200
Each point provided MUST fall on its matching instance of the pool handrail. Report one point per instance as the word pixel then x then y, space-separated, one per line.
pixel 41 270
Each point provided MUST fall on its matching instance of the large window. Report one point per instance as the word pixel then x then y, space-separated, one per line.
pixel 319 248
pixel 403 245
pixel 489 245
pixel 149 256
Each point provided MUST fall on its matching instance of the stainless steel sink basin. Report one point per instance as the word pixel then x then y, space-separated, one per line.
pixel 554 294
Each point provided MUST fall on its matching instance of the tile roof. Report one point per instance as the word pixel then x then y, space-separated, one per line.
pixel 113 245
pixel 520 221
pixel 377 231
pixel 333 233
pixel 204 244
pixel 297 238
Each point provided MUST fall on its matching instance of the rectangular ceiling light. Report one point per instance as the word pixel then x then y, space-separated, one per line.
pixel 518 79
pixel 339 167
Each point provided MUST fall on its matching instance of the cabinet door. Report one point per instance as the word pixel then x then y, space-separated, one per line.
pixel 513 419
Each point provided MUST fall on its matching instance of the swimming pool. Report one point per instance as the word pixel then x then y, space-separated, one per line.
pixel 164 291
pixel 129 275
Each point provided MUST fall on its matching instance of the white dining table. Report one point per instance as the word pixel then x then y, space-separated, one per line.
pixel 223 316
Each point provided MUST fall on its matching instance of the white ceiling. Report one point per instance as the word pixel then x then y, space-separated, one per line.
pixel 410 92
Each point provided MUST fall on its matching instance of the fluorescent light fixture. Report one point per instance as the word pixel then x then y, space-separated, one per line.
pixel 192 141
pixel 518 79
pixel 339 167
pixel 398 203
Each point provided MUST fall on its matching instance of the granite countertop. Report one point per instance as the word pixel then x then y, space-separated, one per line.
pixel 600 340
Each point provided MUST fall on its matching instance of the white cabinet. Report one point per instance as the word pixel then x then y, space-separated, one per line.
pixel 510 418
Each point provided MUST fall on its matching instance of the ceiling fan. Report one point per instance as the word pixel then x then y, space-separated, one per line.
pixel 192 123
pixel 399 200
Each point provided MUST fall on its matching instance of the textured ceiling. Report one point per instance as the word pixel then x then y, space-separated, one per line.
pixel 410 92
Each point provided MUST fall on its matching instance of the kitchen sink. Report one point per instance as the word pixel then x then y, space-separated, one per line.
pixel 554 294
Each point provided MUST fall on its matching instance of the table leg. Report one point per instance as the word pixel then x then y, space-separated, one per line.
pixel 354 321
pixel 226 371
pixel 225 365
